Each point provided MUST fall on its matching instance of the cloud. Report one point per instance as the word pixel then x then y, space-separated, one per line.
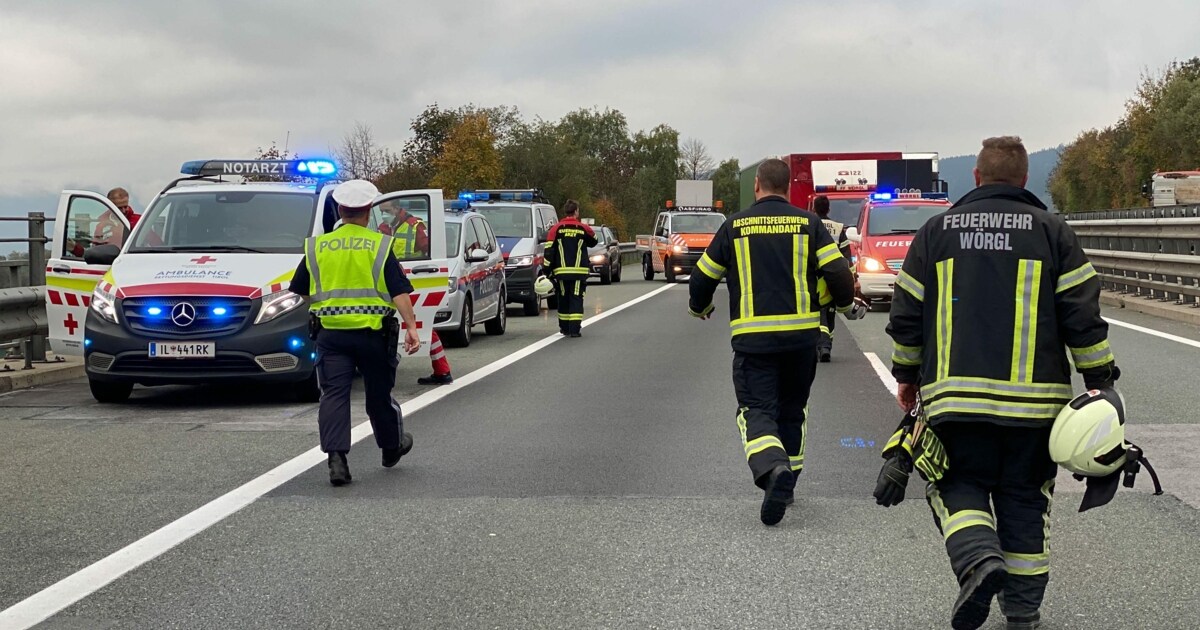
pixel 103 94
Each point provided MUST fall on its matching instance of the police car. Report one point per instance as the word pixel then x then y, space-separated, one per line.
pixel 522 220
pixel 197 291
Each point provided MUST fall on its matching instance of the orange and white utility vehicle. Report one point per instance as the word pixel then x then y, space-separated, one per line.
pixel 681 234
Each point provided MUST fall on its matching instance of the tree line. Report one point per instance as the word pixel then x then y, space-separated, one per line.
pixel 619 176
pixel 1160 131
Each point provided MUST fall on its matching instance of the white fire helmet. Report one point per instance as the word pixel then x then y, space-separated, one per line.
pixel 543 286
pixel 1088 437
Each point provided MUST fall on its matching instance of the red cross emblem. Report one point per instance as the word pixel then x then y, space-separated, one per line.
pixel 204 259
pixel 71 324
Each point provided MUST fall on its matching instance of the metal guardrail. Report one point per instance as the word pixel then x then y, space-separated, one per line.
pixel 35 348
pixel 1149 252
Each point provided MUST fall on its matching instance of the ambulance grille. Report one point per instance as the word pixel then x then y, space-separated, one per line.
pixel 277 362
pixel 207 323
pixel 100 362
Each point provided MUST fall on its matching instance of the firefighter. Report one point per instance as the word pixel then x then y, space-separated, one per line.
pixel 992 297
pixel 355 286
pixel 782 252
pixel 566 262
pixel 829 314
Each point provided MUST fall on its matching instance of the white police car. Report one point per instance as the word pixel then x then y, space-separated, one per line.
pixel 197 291
pixel 522 220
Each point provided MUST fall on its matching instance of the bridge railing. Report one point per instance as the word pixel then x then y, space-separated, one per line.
pixel 22 310
pixel 1148 252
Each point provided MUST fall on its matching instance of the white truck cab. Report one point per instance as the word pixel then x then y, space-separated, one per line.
pixel 196 291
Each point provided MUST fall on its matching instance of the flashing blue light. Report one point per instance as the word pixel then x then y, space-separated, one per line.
pixel 467 195
pixel 458 205
pixel 219 310
pixel 313 356
pixel 154 311
pixel 881 196
pixel 86 342
pixel 318 168
pixel 295 343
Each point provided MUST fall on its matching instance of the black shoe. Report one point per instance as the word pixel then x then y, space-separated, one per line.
pixel 975 597
pixel 1031 622
pixel 824 356
pixel 435 379
pixel 776 495
pixel 575 334
pixel 339 470
pixel 393 455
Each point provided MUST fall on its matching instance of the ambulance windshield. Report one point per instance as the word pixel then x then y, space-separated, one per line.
pixel 226 221
pixel 897 219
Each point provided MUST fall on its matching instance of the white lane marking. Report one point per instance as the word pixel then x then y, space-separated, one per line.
pixel 884 373
pixel 49 601
pixel 1150 331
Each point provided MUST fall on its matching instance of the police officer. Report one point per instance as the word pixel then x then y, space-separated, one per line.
pixel 829 314
pixel 989 295
pixel 355 286
pixel 782 252
pixel 566 262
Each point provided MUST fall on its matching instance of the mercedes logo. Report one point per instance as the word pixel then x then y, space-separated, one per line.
pixel 183 314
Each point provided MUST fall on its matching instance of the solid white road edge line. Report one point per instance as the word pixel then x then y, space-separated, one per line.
pixel 49 601
pixel 884 373
pixel 1150 331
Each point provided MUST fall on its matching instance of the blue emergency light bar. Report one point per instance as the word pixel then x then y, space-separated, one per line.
pixel 458 205
pixel 286 168
pixel 485 195
pixel 901 196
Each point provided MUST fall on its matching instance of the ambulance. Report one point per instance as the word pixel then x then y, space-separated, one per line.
pixel 885 230
pixel 197 291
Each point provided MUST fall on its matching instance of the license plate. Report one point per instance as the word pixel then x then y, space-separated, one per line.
pixel 183 350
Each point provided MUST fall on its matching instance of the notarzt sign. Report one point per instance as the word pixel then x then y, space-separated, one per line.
pixel 255 168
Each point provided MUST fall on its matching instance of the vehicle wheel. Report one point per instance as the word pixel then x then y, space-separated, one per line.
pixel 616 277
pixel 532 307
pixel 308 391
pixel 106 392
pixel 497 324
pixel 606 275
pixel 668 271
pixel 461 336
pixel 647 268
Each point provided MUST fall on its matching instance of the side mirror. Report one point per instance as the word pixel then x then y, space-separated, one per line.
pixel 477 255
pixel 852 235
pixel 101 254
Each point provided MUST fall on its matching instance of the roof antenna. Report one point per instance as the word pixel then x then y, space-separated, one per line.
pixel 286 140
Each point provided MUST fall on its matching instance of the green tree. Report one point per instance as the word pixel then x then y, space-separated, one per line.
pixel 469 158
pixel 606 213
pixel 726 186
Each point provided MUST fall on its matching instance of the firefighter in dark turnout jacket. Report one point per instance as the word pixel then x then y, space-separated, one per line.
pixel 991 297
pixel 828 314
pixel 774 254
pixel 566 263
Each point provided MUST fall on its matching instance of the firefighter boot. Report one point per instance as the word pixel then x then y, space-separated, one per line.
pixel 975 596
pixel 777 495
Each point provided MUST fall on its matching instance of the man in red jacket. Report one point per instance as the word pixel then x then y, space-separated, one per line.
pixel 109 230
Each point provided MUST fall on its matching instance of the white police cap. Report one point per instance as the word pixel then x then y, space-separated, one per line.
pixel 356 193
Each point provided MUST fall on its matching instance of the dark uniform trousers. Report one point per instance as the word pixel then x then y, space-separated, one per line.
pixel 828 319
pixel 1007 469
pixel 339 352
pixel 570 303
pixel 772 393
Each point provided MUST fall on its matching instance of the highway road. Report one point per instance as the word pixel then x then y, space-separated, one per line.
pixel 582 483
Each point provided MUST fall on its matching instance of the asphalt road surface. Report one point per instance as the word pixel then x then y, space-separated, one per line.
pixel 585 483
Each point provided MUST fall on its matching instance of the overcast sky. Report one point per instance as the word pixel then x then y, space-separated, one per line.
pixel 98 94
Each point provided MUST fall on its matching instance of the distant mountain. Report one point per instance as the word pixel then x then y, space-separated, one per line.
pixel 958 173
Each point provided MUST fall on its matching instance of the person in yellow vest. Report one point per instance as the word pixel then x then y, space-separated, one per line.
pixel 355 286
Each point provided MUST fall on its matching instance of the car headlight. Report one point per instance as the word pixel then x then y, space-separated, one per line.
pixel 869 264
pixel 519 261
pixel 453 284
pixel 277 304
pixel 680 249
pixel 105 304
pixel 600 258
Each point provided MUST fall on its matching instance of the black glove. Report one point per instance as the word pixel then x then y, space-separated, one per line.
pixel 893 479
pixel 1103 377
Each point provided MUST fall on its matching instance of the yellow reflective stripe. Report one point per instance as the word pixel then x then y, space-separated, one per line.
pixel 987 406
pixel 998 387
pixel 429 283
pixel 1092 356
pixel 84 286
pixel 945 315
pixel 826 254
pixel 906 355
pixel 799 272
pixel 1075 277
pixel 741 422
pixel 741 249
pixel 797 462
pixel 761 444
pixel 710 268
pixel 1027 563
pixel 963 519
pixel 1029 279
pixel 910 284
pixel 775 323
